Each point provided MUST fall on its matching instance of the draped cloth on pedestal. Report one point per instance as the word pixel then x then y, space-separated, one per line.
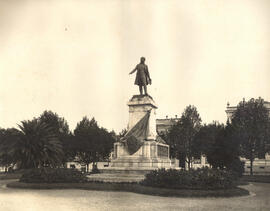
pixel 137 135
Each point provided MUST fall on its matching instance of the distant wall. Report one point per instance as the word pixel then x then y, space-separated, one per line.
pixel 76 165
pixel 260 166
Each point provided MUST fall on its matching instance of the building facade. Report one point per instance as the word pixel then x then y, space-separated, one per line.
pixel 163 125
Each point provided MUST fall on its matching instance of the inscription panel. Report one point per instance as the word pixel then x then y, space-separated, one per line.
pixel 163 151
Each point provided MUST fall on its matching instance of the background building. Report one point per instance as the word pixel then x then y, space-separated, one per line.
pixel 231 109
pixel 163 125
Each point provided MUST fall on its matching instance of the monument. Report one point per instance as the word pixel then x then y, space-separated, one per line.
pixel 141 148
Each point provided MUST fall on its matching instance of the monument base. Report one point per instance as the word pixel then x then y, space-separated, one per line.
pixel 151 155
pixel 141 150
pixel 124 167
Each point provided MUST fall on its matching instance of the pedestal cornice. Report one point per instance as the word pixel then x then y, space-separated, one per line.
pixel 140 100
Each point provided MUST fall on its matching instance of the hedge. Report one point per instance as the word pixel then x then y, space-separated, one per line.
pixel 52 175
pixel 202 178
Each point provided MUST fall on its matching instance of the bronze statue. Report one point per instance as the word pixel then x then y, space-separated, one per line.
pixel 142 76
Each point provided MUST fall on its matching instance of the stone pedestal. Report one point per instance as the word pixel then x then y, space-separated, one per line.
pixel 152 154
pixel 138 107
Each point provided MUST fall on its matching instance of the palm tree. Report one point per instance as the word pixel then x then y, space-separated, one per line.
pixel 38 146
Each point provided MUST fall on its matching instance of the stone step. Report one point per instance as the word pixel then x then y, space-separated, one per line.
pixel 125 170
pixel 115 178
pixel 116 175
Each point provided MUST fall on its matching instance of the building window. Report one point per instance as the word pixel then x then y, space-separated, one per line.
pixel 197 161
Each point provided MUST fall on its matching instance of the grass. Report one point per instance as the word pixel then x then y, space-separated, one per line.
pixel 134 187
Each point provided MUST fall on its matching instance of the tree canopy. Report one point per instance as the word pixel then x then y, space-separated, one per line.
pixel 93 143
pixel 251 124
pixel 181 136
pixel 217 142
pixel 60 128
pixel 8 138
pixel 58 124
pixel 206 137
pixel 47 141
pixel 33 145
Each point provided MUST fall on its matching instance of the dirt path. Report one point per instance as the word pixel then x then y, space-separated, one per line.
pixel 32 200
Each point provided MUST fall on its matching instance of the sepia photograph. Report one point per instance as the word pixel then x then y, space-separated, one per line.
pixel 134 105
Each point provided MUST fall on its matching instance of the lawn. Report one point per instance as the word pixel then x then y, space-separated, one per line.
pixel 135 188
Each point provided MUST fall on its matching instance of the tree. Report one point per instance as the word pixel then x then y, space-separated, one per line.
pixel 7 139
pixel 165 135
pixel 61 129
pixel 58 124
pixel 93 143
pixel 251 125
pixel 217 142
pixel 182 135
pixel 37 146
pixel 206 138
pixel 84 133
pixel 212 141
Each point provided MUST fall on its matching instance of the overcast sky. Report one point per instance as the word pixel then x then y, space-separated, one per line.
pixel 73 57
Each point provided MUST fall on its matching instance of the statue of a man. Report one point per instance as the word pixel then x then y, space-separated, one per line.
pixel 142 76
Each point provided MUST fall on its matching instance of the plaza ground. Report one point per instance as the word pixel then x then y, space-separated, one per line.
pixel 32 200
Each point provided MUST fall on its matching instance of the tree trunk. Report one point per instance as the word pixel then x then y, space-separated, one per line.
pixel 251 163
pixel 87 167
pixel 251 166
pixel 182 160
pixel 188 161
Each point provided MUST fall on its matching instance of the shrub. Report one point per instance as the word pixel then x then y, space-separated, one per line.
pixel 52 175
pixel 203 178
pixel 237 166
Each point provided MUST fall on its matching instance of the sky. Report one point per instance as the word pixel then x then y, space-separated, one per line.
pixel 73 57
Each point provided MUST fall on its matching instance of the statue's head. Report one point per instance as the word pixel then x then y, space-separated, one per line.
pixel 142 59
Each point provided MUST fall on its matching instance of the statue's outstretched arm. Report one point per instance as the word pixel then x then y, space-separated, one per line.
pixel 133 70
